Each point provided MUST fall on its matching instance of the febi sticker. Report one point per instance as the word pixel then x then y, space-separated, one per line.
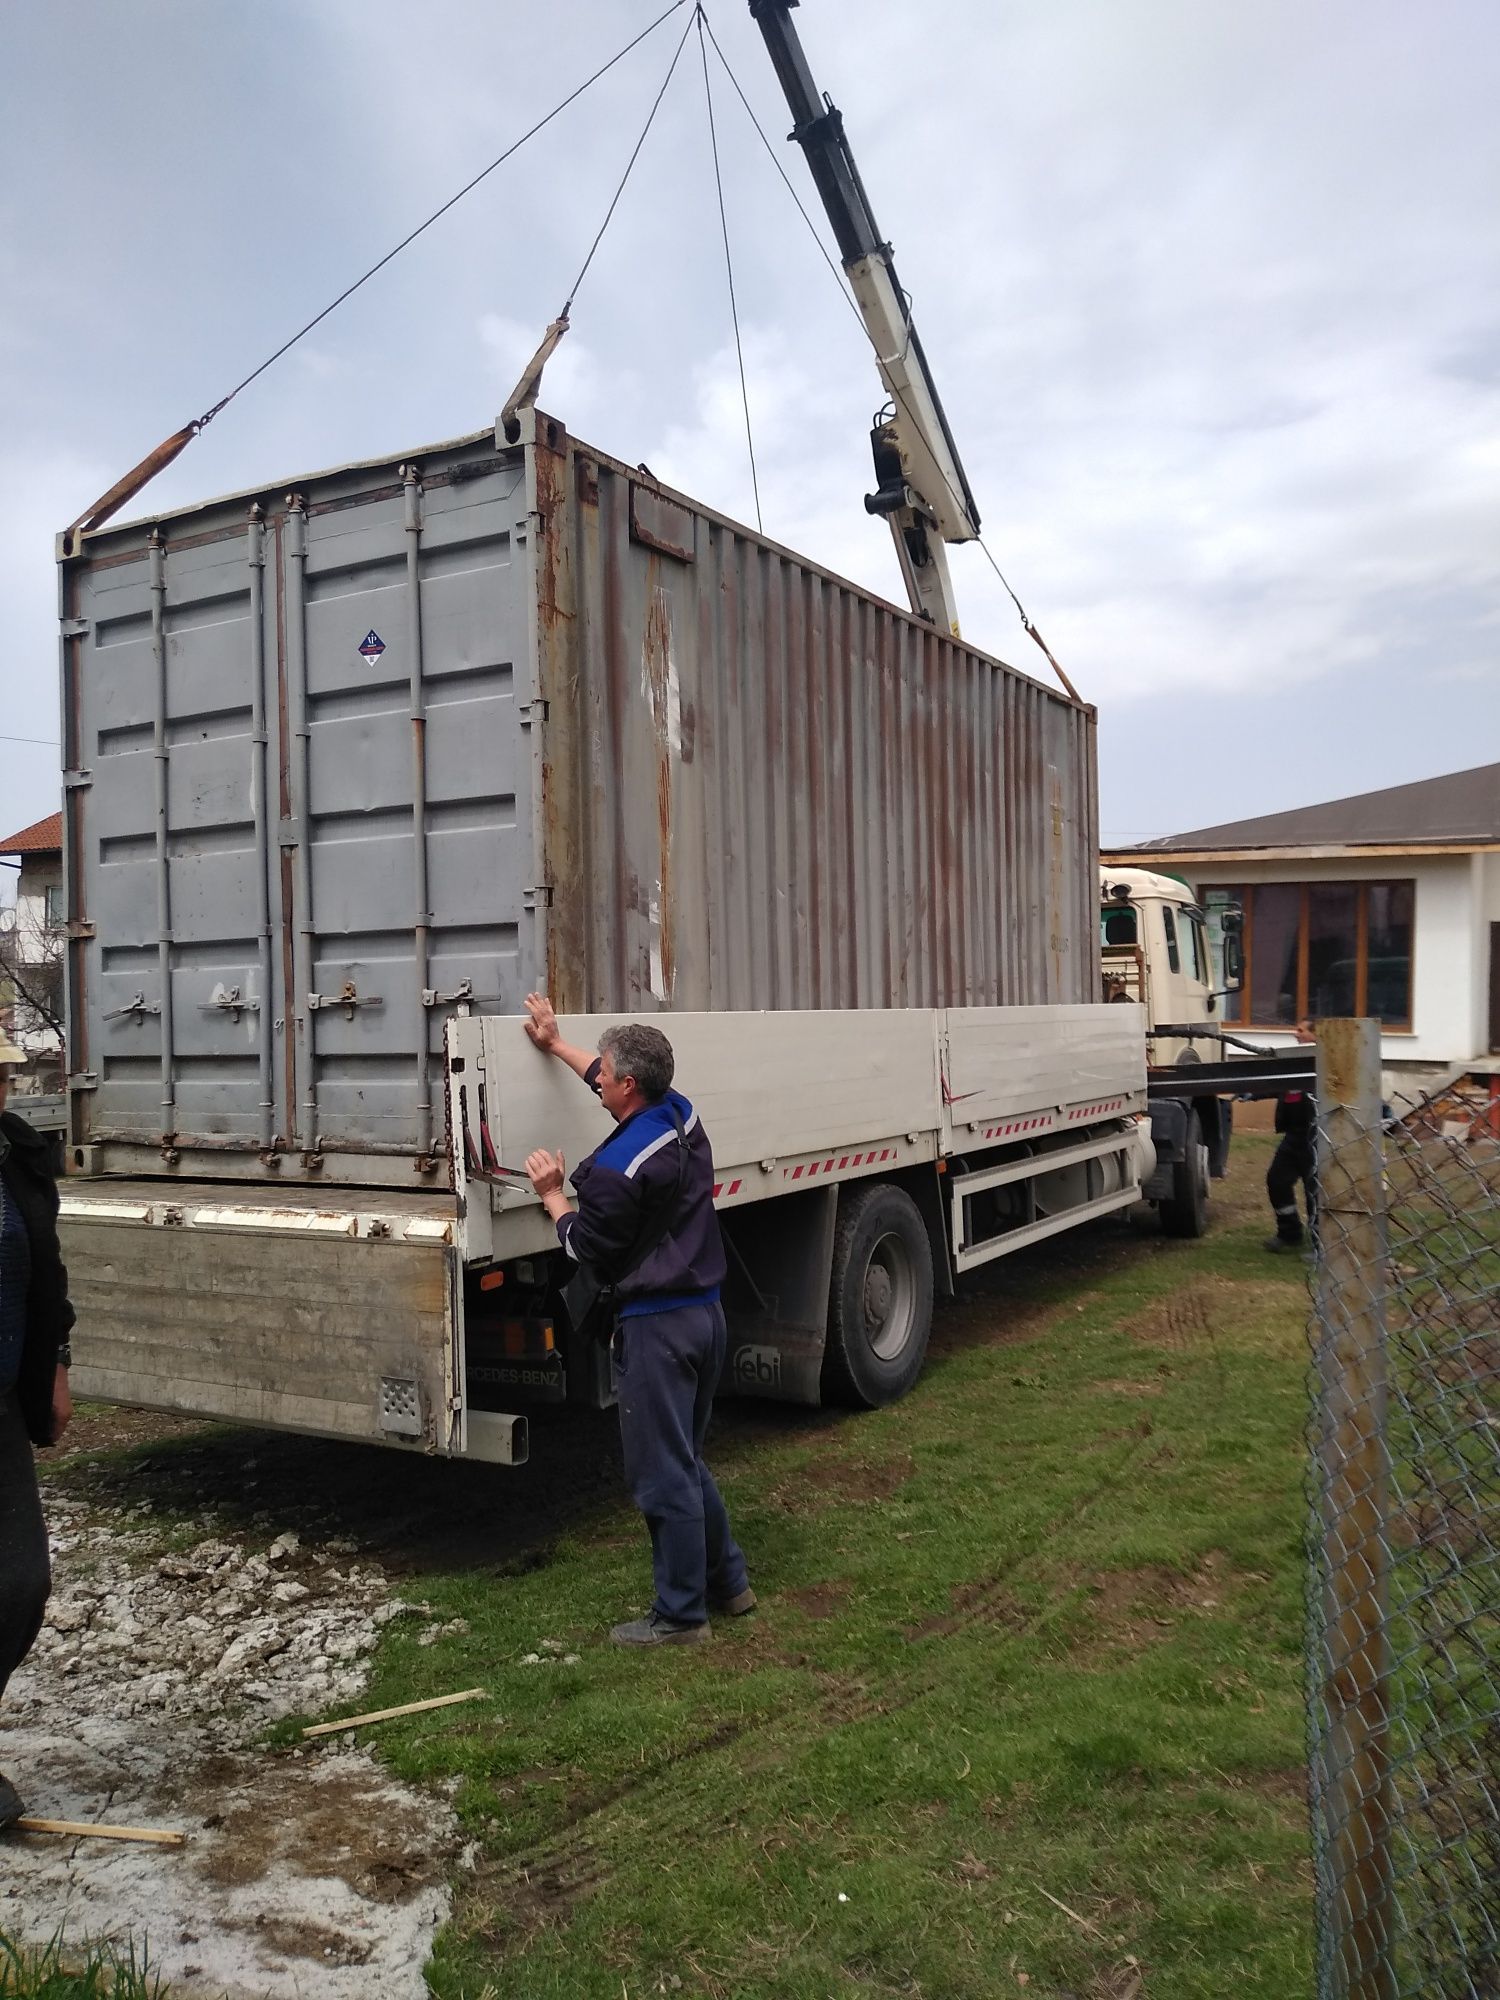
pixel 758 1368
pixel 371 646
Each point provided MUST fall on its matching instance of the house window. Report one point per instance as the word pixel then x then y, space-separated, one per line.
pixel 1324 948
pixel 54 910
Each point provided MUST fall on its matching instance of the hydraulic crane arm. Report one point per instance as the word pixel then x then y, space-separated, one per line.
pixel 921 488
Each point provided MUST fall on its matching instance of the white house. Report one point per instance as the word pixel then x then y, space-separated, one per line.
pixel 1387 904
pixel 32 932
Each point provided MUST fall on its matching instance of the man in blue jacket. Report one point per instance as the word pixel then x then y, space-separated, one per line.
pixel 670 1339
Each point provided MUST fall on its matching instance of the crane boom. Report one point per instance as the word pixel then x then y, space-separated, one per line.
pixel 921 487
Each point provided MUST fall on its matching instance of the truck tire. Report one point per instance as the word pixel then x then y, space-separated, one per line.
pixel 1185 1212
pixel 880 1298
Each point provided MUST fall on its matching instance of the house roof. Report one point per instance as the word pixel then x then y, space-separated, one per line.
pixel 1461 810
pixel 44 836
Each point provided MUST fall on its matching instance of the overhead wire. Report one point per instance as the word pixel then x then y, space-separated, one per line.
pixel 1028 624
pixel 155 461
pixel 629 164
pixel 452 201
pixel 734 310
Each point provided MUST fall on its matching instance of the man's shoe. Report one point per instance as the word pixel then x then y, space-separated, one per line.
pixel 12 1805
pixel 736 1606
pixel 654 1630
pixel 1284 1246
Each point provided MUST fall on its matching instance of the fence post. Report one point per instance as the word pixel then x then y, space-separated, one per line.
pixel 1352 1790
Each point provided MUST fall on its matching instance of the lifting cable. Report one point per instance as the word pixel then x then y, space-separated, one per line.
pixel 734 310
pixel 157 460
pixel 635 155
pixel 1027 624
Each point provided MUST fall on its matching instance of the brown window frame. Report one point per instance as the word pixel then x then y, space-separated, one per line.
pixel 1241 893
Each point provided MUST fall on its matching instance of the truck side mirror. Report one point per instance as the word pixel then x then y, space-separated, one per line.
pixel 1234 960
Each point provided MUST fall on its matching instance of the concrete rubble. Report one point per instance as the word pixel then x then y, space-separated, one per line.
pixel 164 1657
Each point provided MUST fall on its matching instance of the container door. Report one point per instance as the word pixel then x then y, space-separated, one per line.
pixel 406 855
pixel 170 682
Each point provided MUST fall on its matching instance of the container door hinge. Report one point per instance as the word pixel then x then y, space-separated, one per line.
pixel 76 628
pixel 83 1079
pixel 539 898
pixel 79 780
pixel 532 711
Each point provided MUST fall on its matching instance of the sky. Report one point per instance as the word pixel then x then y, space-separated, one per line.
pixel 1211 294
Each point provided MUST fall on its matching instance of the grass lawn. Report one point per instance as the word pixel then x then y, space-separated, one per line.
pixel 1030 1639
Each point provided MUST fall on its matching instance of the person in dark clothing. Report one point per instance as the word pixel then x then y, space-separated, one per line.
pixel 669 1340
pixel 1294 1160
pixel 35 1321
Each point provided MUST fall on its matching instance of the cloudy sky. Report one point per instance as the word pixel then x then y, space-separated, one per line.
pixel 1212 293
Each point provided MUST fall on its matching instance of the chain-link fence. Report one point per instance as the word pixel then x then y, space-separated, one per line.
pixel 1404 1593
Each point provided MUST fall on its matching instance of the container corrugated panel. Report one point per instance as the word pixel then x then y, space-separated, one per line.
pixel 429 732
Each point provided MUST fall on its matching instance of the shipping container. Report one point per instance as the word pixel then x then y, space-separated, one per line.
pixel 355 751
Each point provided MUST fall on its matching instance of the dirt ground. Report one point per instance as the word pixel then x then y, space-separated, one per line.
pixel 169 1647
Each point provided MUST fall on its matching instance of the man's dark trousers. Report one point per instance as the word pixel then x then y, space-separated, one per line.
pixel 1294 1160
pixel 666 1368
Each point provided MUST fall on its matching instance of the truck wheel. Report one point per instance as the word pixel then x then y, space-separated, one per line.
pixel 1185 1213
pixel 880 1300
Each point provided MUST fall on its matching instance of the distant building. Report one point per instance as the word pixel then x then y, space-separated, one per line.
pixel 1387 904
pixel 32 938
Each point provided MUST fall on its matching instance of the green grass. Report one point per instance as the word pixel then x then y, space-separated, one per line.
pixel 1033 1633
pixel 96 1972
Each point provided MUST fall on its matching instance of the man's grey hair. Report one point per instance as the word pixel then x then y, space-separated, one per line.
pixel 641 1052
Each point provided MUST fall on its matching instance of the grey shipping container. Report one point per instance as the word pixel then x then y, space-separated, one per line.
pixel 352 752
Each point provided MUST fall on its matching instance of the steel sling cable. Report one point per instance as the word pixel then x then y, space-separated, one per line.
pixel 734 310
pixel 629 164
pixel 155 461
pixel 1028 626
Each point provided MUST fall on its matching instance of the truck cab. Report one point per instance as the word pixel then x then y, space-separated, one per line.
pixel 1159 949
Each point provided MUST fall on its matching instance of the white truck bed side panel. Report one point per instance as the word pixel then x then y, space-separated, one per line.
pixel 1060 1065
pixel 775 1087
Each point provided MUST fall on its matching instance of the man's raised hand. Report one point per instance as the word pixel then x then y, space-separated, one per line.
pixel 541 1022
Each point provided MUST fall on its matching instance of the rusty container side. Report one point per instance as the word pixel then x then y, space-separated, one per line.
pixel 766 788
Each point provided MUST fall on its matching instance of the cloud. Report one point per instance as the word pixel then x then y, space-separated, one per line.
pixel 1210 295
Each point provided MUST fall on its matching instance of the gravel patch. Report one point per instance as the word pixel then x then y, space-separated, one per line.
pixel 164 1657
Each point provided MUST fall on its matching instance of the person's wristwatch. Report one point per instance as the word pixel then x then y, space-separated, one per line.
pixel 65 1354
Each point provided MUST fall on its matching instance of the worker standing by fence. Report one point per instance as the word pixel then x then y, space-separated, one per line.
pixel 1294 1161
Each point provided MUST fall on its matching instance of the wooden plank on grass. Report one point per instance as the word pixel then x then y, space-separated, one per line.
pixel 390 1714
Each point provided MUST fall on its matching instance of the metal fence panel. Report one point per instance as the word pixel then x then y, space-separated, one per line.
pixel 1404 1597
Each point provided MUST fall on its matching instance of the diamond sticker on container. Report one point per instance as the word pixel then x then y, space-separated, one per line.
pixel 372 646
